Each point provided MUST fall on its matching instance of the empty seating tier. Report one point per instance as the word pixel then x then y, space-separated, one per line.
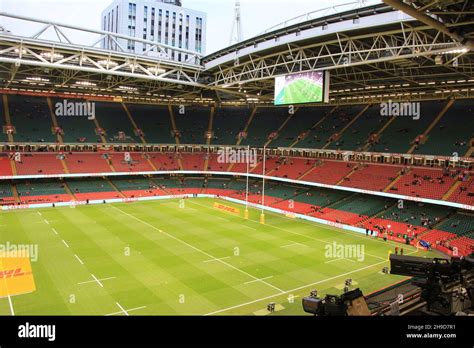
pixel 421 182
pixel 39 164
pixel 76 129
pixel 31 118
pixel 452 133
pixel 114 121
pixel 153 121
pixel 192 124
pixel 372 177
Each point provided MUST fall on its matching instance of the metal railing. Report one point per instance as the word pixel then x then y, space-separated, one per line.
pixel 321 13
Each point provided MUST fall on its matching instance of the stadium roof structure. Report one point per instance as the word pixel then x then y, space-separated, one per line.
pixel 396 50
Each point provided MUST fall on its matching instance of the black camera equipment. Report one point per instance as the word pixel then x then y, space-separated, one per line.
pixel 447 286
pixel 437 287
pixel 350 303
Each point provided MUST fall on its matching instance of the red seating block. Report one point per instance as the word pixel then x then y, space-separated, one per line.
pixel 421 182
pixel 329 172
pixel 87 163
pixel 5 166
pixel 372 177
pixel 138 163
pixel 39 164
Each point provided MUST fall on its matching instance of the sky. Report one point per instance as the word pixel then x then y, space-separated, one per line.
pixel 256 15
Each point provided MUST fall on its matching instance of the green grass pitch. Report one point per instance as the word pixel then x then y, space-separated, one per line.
pixel 300 91
pixel 155 258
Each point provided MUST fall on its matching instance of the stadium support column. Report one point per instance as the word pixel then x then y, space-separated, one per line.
pixel 262 214
pixel 246 213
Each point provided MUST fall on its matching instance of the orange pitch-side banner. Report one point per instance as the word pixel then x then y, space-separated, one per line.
pixel 226 208
pixel 16 276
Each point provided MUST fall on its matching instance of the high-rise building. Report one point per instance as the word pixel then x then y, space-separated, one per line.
pixel 160 21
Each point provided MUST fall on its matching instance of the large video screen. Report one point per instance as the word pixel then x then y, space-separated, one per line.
pixel 308 87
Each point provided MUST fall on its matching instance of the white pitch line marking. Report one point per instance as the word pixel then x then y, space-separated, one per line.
pixel 123 310
pixel 78 259
pixel 292 244
pixel 287 245
pixel 54 230
pixel 11 305
pixel 252 228
pixel 46 222
pixel 258 280
pixel 339 258
pixel 128 310
pixel 65 243
pixel 222 258
pixel 97 280
pixel 195 248
pixel 94 281
pixel 39 213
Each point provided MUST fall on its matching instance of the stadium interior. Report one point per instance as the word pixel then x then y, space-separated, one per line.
pixel 161 133
pixel 427 173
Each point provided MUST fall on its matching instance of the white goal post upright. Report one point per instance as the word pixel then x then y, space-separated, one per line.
pixel 246 212
pixel 262 214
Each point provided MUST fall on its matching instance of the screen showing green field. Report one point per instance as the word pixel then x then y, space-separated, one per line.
pixel 299 88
